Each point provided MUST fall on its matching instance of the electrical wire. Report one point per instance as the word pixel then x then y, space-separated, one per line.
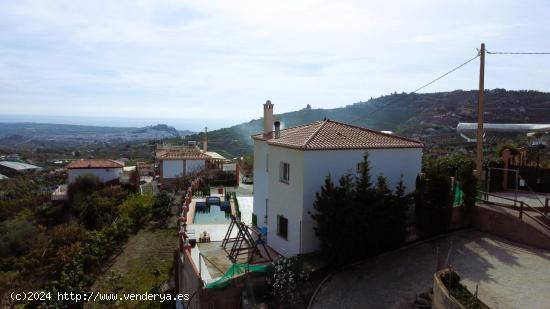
pixel 516 53
pixel 418 89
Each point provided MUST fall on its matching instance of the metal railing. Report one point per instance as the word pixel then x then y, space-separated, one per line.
pixel 524 208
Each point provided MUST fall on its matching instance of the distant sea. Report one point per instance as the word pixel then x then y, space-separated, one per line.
pixel 179 124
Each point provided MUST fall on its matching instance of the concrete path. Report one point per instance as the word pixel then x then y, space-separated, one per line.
pixel 242 189
pixel 531 199
pixel 509 275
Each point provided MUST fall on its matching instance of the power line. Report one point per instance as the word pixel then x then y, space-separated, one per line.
pixel 517 53
pixel 449 72
pixel 419 88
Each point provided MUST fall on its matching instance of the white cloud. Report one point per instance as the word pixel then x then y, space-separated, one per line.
pixel 183 57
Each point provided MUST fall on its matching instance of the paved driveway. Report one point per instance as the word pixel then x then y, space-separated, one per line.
pixel 509 275
pixel 531 199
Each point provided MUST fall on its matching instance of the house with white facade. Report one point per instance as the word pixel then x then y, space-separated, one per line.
pixel 177 161
pixel 104 169
pixel 290 166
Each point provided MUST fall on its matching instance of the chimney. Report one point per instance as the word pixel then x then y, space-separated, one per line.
pixel 277 129
pixel 205 141
pixel 268 118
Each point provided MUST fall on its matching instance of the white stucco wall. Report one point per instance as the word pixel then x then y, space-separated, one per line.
pixel 308 170
pixel 172 168
pixel 260 182
pixel 193 165
pixel 103 174
pixel 285 199
pixel 318 164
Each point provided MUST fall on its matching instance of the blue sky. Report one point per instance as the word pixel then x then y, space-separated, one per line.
pixel 218 61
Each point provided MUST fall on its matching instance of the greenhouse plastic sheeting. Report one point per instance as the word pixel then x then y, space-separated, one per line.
pixel 234 270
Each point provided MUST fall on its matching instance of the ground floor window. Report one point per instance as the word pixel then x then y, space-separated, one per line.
pixel 282 226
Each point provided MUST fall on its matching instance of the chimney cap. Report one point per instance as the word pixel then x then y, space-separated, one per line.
pixel 277 132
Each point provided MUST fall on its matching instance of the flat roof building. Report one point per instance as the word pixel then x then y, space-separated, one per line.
pixel 14 168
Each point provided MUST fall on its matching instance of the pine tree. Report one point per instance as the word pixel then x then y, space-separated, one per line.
pixel 400 209
pixel 326 213
pixel 363 182
pixel 356 219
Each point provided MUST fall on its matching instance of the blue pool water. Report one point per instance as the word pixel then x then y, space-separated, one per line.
pixel 211 215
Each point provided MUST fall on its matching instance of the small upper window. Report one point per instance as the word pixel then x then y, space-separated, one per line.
pixel 284 173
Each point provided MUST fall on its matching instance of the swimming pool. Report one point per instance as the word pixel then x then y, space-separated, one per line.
pixel 211 215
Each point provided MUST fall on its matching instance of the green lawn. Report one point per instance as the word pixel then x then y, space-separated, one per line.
pixel 148 252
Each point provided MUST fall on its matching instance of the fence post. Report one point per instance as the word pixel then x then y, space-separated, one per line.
pixel 521 210
pixel 200 268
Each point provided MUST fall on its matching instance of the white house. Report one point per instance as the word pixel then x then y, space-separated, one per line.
pixel 177 161
pixel 290 166
pixel 104 169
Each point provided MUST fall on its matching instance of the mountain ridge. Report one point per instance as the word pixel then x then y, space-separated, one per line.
pixel 32 134
pixel 424 116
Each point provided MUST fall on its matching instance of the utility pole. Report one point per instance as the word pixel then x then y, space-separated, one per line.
pixel 479 151
pixel 205 140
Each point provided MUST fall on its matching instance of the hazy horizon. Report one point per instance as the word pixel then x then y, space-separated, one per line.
pixel 190 124
pixel 180 124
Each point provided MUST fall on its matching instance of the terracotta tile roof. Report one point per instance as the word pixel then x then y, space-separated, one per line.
pixel 94 163
pixel 331 135
pixel 181 153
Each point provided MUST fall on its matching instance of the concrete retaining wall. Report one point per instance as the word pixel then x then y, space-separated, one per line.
pixel 496 221
pixel 188 279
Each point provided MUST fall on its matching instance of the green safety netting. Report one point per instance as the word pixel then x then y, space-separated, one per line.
pixel 459 196
pixel 234 270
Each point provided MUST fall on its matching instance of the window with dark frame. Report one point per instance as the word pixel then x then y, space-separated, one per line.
pixel 282 227
pixel 284 172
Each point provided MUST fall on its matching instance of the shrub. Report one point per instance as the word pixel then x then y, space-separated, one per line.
pixel 83 186
pixel 138 209
pixel 16 237
pixel 96 211
pixel 433 202
pixel 468 183
pixel 457 290
pixel 161 208
pixel 286 280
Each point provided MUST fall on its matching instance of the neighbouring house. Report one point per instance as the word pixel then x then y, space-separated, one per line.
pixel 104 169
pixel 177 161
pixel 14 168
pixel 129 176
pixel 61 193
pixel 290 166
pixel 145 169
